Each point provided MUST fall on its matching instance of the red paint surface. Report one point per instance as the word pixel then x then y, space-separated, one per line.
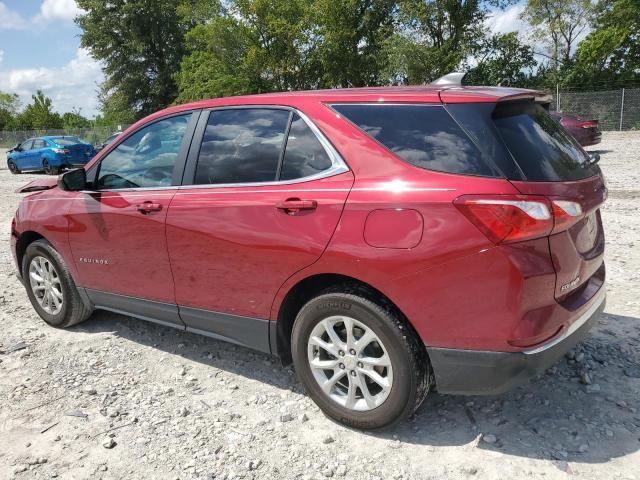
pixel 230 249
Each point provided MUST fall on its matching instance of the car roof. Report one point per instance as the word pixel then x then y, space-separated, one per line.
pixel 420 93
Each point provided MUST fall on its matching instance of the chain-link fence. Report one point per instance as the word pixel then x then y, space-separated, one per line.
pixel 615 109
pixel 94 135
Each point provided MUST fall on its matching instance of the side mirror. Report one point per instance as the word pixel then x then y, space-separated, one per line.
pixel 73 180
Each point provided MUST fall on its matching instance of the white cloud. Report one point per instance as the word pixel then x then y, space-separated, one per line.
pixel 1 56
pixel 58 10
pixel 71 85
pixel 10 20
pixel 508 20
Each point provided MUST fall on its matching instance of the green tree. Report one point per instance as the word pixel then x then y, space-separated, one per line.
pixel 433 38
pixel 558 24
pixel 141 44
pixel 74 119
pixel 502 60
pixel 39 114
pixel 350 38
pixel 9 106
pixel 610 55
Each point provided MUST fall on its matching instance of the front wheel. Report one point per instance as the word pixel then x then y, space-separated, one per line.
pixel 48 169
pixel 359 361
pixel 50 288
pixel 13 168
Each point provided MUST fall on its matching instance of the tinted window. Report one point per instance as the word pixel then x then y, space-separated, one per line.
pixel 424 135
pixel 146 158
pixel 26 145
pixel 241 146
pixel 39 143
pixel 304 154
pixel 64 141
pixel 543 149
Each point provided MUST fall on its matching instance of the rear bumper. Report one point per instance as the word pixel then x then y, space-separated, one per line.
pixel 474 372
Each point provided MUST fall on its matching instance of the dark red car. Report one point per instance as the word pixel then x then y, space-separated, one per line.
pixel 587 132
pixel 388 241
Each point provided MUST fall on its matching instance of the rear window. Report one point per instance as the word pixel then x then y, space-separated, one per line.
pixel 64 141
pixel 423 135
pixel 542 148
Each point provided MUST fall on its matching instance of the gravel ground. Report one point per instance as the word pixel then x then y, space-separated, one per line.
pixel 120 398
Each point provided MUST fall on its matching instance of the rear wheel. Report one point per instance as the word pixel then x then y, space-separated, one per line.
pixel 48 169
pixel 13 168
pixel 358 361
pixel 50 287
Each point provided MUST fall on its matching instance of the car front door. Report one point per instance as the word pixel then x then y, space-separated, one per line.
pixel 267 191
pixel 117 229
pixel 23 157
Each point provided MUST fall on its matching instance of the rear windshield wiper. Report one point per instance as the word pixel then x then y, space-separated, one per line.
pixel 593 158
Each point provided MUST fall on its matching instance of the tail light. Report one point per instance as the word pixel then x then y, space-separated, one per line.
pixel 514 218
pixel 64 151
pixel 587 124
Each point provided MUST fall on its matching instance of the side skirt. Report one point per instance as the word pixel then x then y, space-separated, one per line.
pixel 246 331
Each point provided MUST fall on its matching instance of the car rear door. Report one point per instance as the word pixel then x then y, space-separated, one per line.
pixel 117 228
pixel 262 195
pixel 37 152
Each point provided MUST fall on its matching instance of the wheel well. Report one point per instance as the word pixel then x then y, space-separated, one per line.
pixel 23 242
pixel 316 285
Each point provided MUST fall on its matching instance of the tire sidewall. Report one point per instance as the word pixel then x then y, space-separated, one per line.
pixel 403 391
pixel 40 248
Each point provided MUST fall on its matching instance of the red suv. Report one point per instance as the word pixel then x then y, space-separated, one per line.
pixel 388 241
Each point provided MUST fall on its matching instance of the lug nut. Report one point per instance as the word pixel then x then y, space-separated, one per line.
pixel 353 373
pixel 352 351
pixel 341 366
pixel 341 353
pixel 360 365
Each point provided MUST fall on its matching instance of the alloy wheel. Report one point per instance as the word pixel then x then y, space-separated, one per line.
pixel 46 285
pixel 350 363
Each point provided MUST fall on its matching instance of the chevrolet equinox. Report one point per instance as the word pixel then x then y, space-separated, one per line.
pixel 387 241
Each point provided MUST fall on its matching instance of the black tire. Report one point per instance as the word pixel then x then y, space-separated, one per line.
pixel 73 309
pixel 13 168
pixel 410 364
pixel 48 169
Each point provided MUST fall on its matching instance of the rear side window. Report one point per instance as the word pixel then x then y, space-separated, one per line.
pixel 39 143
pixel 304 155
pixel 423 135
pixel 242 146
pixel 542 148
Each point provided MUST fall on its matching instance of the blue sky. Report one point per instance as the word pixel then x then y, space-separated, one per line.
pixel 40 49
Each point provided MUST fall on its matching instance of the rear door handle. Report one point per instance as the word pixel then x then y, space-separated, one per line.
pixel 295 205
pixel 148 207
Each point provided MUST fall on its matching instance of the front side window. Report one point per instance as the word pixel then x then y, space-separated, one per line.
pixel 242 146
pixel 147 158
pixel 26 145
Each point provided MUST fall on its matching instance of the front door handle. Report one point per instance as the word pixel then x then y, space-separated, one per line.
pixel 148 207
pixel 292 206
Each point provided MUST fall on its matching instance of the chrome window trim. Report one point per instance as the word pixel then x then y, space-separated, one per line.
pixel 338 165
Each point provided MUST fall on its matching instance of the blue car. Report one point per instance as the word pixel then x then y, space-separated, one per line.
pixel 51 154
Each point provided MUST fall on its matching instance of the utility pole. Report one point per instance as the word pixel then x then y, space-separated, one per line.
pixel 621 109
